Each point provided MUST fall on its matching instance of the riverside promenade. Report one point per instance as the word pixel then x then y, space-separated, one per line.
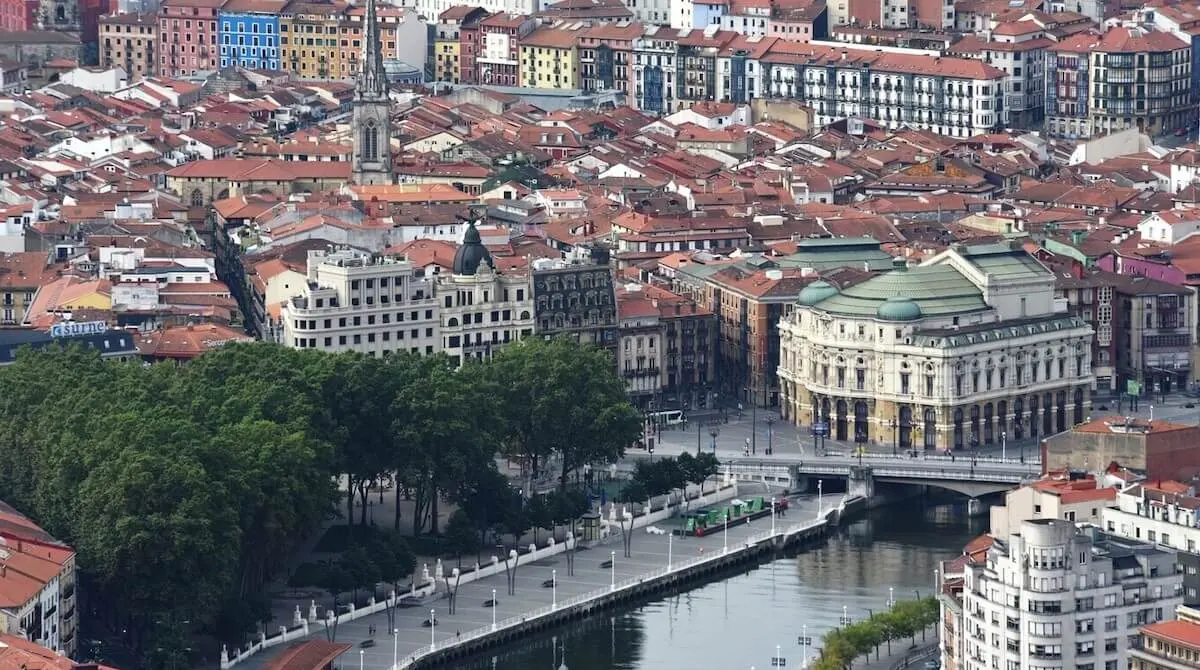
pixel 602 576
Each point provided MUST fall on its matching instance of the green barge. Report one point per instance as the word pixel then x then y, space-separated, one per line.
pixel 707 521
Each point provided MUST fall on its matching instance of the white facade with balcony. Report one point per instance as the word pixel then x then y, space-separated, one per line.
pixel 932 99
pixel 1053 595
pixel 354 301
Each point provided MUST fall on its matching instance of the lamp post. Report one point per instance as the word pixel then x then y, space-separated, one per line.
pixel 804 639
pixel 713 432
pixel 770 435
pixel 895 439
pixel 361 653
pixel 725 549
pixel 772 516
pixel 820 485
pixel 612 564
pixel 670 542
pixel 432 629
pixel 494 606
pixel 554 589
pixel 396 647
pixel 1022 449
pixel 1003 445
pixel 891 597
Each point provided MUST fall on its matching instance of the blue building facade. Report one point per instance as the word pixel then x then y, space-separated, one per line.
pixel 705 13
pixel 249 39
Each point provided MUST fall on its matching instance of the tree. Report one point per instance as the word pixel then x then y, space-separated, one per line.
pixel 450 422
pixel 564 399
pixel 486 500
pixel 394 561
pixel 461 534
pixel 538 511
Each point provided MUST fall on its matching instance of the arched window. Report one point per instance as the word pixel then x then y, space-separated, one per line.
pixel 370 141
pixel 453 322
pixel 197 197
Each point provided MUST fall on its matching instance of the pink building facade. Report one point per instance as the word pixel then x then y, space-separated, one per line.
pixel 187 31
pixel 1142 267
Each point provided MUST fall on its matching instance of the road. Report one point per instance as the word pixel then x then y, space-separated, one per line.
pixel 784 438
pixel 648 553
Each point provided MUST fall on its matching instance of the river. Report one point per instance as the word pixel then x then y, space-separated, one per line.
pixel 736 623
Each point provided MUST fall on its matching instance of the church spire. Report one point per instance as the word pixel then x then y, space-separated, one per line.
pixel 371 123
pixel 372 79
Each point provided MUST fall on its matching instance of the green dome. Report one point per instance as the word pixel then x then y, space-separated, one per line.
pixel 815 293
pixel 899 308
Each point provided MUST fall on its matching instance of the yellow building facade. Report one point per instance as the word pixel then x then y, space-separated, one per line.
pixel 446 60
pixel 550 59
pixel 309 35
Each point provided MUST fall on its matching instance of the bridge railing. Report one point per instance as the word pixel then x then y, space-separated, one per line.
pixel 1032 458
pixel 961 470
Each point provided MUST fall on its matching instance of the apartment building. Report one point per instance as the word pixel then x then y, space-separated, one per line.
pixel 1158 319
pixel 356 301
pixel 308 38
pixel 1169 645
pixel 498 52
pixel 249 31
pixel 430 10
pixel 606 56
pixel 37 584
pixel 128 41
pixel 1018 48
pixel 1165 514
pixel 576 297
pixel 482 308
pixel 1129 77
pixel 447 41
pixel 1052 594
pixel 187 36
pixel 951 96
pixel 550 58
pixel 667 349
pixel 22 273
pixel 1090 297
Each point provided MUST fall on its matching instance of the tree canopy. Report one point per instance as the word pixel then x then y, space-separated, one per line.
pixel 185 490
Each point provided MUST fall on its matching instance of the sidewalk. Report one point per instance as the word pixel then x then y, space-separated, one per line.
pixel 537 584
pixel 901 651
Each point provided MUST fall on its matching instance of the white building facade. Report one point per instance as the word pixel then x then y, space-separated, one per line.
pixel 1054 595
pixel 355 301
pixel 482 309
pixel 969 348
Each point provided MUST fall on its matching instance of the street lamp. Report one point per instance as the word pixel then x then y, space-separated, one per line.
pixel 361 653
pixel 725 549
pixel 820 484
pixel 772 516
pixel 1003 445
pixel 895 439
pixel 554 589
pixel 891 597
pixel 396 644
pixel 713 432
pixel 612 564
pixel 770 435
pixel 670 542
pixel 494 605
pixel 432 629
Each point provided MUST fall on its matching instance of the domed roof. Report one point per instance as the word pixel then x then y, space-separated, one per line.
pixel 899 308
pixel 471 253
pixel 816 292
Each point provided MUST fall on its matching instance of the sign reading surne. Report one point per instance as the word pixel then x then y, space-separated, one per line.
pixel 73 329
